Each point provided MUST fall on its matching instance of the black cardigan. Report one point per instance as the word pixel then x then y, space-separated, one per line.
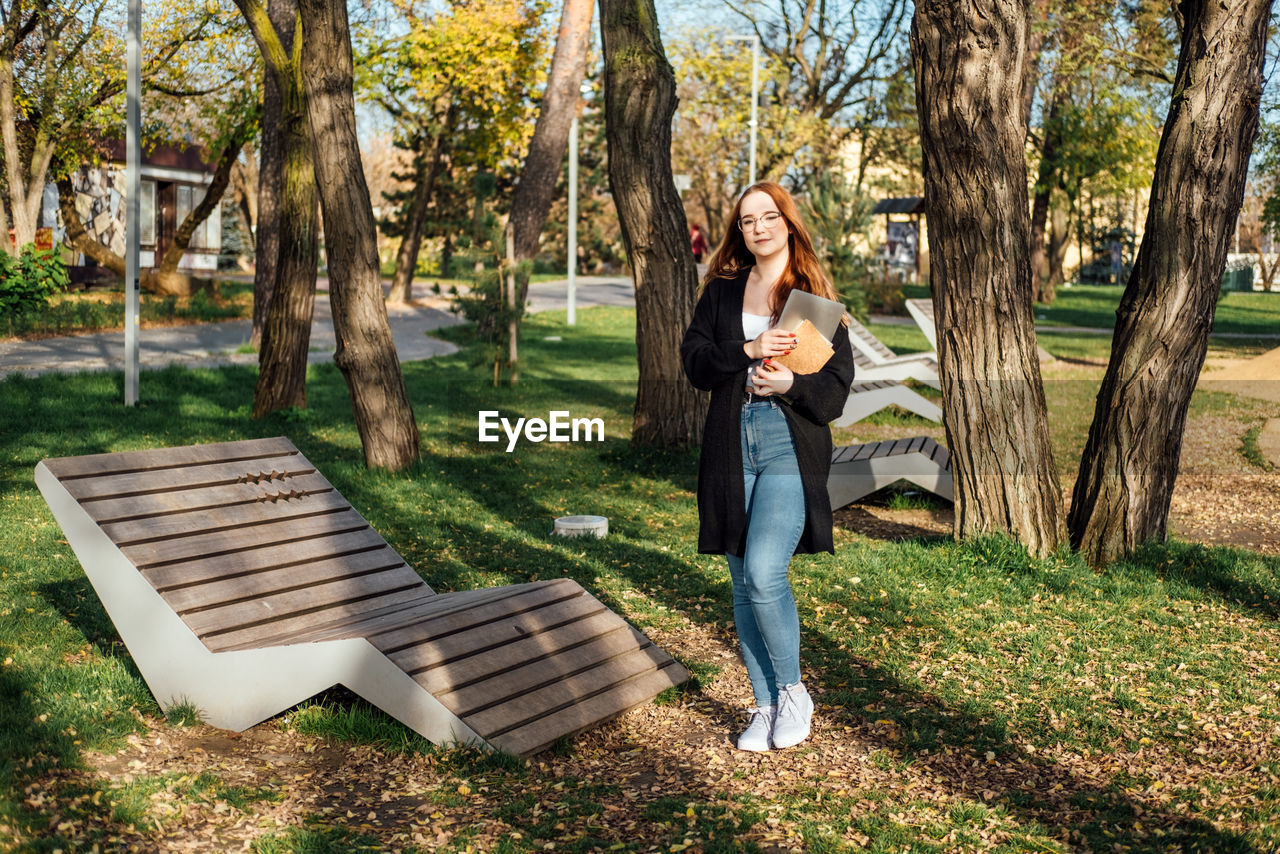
pixel 714 361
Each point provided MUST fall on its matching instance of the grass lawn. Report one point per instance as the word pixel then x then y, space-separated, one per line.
pixel 969 698
pixel 1238 312
pixel 93 311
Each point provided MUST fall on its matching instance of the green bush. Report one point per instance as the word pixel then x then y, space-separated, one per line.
pixel 28 281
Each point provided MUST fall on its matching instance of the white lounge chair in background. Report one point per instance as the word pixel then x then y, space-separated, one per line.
pixel 859 470
pixel 868 397
pixel 921 311
pixel 874 361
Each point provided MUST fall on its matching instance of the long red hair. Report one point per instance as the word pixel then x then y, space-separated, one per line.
pixel 803 271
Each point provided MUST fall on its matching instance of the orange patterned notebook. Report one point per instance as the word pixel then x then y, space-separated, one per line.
pixel 811 353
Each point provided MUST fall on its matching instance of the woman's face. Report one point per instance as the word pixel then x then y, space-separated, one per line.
pixel 764 229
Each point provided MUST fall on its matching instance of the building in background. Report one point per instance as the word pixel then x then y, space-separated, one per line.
pixel 173 182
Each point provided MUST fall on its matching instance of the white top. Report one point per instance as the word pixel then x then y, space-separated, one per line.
pixel 753 325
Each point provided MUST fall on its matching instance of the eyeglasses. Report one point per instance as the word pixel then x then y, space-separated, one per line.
pixel 768 220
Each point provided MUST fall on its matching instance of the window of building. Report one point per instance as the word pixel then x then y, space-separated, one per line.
pixel 147 213
pixel 206 237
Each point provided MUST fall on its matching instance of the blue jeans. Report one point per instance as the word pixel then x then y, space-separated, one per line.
pixel 764 608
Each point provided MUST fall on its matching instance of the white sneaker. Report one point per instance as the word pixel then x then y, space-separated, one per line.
pixel 759 728
pixel 795 711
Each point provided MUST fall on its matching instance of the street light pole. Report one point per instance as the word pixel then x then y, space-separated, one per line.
pixel 573 219
pixel 133 190
pixel 755 99
pixel 584 90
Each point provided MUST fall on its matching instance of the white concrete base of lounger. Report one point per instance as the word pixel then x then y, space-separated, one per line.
pixel 859 470
pixel 866 398
pixel 242 582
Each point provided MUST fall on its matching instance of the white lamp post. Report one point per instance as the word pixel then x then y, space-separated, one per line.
pixel 755 97
pixel 573 219
pixel 585 91
pixel 133 190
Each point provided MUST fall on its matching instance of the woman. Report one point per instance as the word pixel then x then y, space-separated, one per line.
pixel 766 447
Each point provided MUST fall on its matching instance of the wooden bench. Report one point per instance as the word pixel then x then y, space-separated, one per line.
pixel 242 582
pixel 859 470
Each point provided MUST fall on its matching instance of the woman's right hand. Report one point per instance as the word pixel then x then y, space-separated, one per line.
pixel 772 342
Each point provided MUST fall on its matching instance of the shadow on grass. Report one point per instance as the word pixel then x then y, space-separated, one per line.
pixel 1248 580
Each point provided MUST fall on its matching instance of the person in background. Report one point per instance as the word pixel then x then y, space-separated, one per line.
pixel 697 242
pixel 766 446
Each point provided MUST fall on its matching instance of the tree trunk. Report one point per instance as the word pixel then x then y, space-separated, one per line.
pixel 1046 175
pixel 287 193
pixel 366 353
pixel 1031 66
pixel 26 187
pixel 286 336
pixel 244 186
pixel 640 98
pixel 266 237
pixel 1059 241
pixel 416 216
pixel 542 166
pixel 968 59
pixel 1130 461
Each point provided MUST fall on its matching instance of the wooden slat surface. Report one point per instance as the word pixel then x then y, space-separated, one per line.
pixel 203 499
pixel 471 668
pixel 553 668
pixel 223 591
pixel 924 445
pixel 266 470
pixel 221 619
pixel 874 385
pixel 550 699
pixel 286 631
pixel 388 620
pixel 202 569
pixel 490 626
pixel 590 711
pixel 870 340
pixel 224 520
pixel 217 542
pixel 93 465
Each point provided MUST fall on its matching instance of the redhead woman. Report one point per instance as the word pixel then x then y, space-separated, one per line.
pixel 766 447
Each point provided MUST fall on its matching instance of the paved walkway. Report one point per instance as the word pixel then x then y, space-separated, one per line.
pixel 215 344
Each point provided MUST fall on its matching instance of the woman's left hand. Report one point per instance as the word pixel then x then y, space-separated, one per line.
pixel 772 378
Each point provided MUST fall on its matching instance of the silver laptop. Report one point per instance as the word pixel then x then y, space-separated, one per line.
pixel 823 313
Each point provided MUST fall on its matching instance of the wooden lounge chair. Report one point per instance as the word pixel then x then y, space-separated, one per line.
pixel 859 470
pixel 243 583
pixel 868 397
